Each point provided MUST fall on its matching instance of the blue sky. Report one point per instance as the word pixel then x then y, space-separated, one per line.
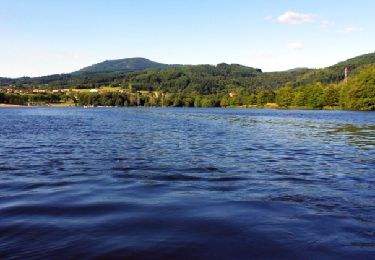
pixel 40 37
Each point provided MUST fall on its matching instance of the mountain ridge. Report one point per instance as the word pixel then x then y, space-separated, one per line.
pixel 150 74
pixel 124 65
pixel 140 64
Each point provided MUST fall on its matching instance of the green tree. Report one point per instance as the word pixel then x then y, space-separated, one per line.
pixel 197 101
pixel 224 102
pixel 359 92
pixel 285 96
pixel 331 95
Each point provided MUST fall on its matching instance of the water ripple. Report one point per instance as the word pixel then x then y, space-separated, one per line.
pixel 186 183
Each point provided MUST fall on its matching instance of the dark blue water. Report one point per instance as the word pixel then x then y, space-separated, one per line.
pixel 186 183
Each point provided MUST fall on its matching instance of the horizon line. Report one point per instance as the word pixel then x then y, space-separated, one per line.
pixel 198 64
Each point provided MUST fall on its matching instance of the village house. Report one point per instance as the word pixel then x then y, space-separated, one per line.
pixel 39 91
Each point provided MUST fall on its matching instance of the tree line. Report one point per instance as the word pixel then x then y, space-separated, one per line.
pixel 357 94
pixel 210 86
pixel 29 99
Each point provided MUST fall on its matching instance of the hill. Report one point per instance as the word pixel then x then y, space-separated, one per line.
pixel 124 65
pixel 143 74
pixel 335 73
pixel 365 59
pixel 140 82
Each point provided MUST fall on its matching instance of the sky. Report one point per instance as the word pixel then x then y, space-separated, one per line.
pixel 43 37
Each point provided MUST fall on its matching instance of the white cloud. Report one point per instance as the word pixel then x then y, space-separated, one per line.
pixel 352 29
pixel 295 46
pixel 295 18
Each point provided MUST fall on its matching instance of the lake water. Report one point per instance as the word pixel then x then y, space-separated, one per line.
pixel 186 183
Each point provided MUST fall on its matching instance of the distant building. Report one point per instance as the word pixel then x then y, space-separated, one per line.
pixel 94 91
pixel 39 91
pixel 232 94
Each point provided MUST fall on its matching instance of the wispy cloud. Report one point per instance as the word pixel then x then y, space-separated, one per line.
pixel 295 46
pixel 295 18
pixel 352 29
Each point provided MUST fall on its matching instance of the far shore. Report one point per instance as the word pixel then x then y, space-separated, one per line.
pixel 10 105
pixel 267 106
pixel 51 105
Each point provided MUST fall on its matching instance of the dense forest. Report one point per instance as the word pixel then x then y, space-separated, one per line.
pixel 223 85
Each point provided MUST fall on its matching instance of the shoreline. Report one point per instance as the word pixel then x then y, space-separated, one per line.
pixel 273 107
pixel 52 105
pixel 11 105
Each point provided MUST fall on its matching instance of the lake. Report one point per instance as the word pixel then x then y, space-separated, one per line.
pixel 186 183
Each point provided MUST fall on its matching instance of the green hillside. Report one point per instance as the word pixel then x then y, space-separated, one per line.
pixel 208 85
pixel 335 73
pixel 148 75
pixel 358 61
pixel 124 65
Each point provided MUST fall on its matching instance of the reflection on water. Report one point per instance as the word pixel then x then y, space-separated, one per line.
pixel 127 182
pixel 361 136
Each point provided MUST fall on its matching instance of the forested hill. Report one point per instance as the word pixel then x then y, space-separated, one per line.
pixel 143 74
pixel 359 60
pixel 204 85
pixel 124 65
pixel 335 73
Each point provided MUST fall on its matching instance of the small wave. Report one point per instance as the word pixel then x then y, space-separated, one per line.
pixel 226 179
pixel 223 188
pixel 176 177
pixel 66 210
pixel 5 169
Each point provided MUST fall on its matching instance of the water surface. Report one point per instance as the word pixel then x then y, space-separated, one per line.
pixel 186 183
